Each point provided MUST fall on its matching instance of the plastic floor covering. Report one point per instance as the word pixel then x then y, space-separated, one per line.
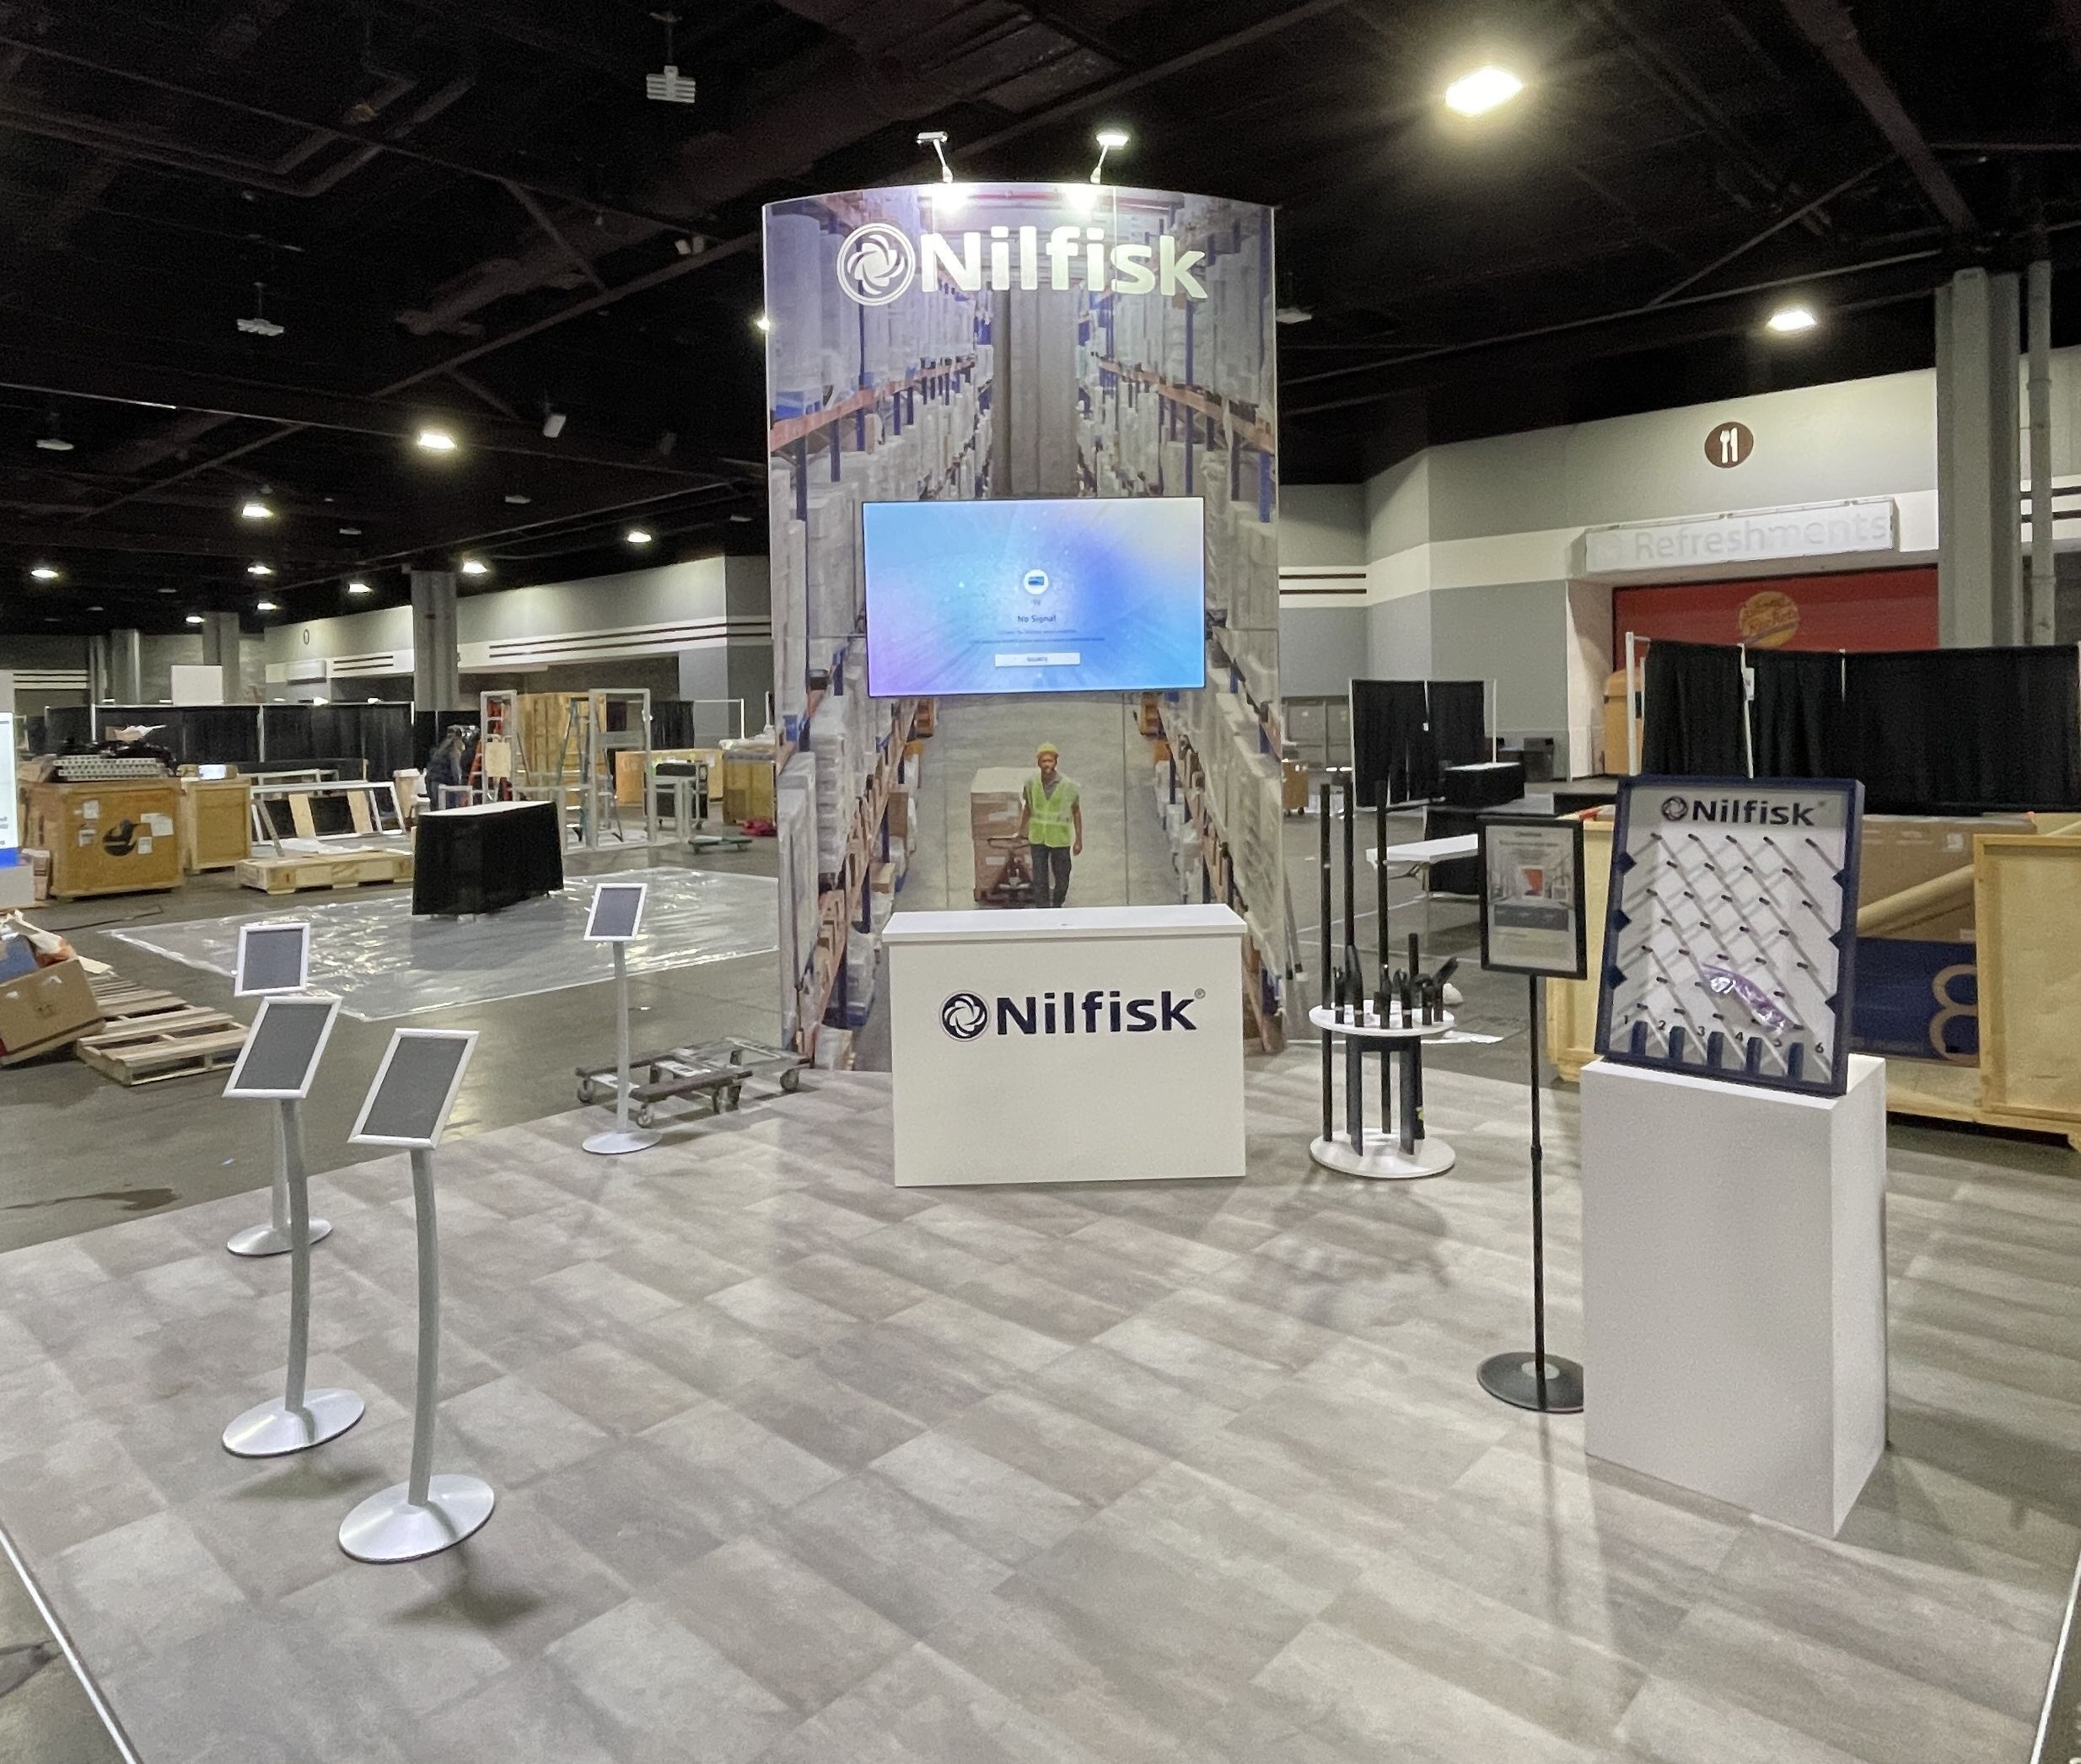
pixel 382 962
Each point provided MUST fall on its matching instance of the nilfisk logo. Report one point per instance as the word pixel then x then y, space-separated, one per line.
pixel 1738 811
pixel 878 262
pixel 966 1016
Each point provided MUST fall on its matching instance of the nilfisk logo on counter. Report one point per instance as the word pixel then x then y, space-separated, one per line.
pixel 1750 811
pixel 879 261
pixel 966 1016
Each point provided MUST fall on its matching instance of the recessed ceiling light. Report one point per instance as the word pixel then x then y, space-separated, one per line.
pixel 476 566
pixel 259 569
pixel 740 517
pixel 1789 319
pixel 266 606
pixel 350 532
pixel 553 422
pixel 359 588
pixel 639 535
pixel 196 618
pixel 44 573
pixel 97 609
pixel 517 499
pixel 253 509
pixel 436 440
pixel 1476 93
pixel 167 591
pixel 54 444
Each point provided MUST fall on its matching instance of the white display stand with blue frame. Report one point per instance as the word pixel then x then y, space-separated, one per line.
pixel 1734 1154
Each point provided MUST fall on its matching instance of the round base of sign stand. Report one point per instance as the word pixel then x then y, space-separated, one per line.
pixel 266 1241
pixel 613 1142
pixel 274 1430
pixel 388 1527
pixel 1514 1378
pixel 1383 1160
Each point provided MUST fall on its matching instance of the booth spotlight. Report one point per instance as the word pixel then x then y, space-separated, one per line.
pixel 1788 319
pixel 259 569
pixel 1485 90
pixel 936 139
pixel 253 509
pixel 639 535
pixel 762 323
pixel 436 440
pixel 1081 198
pixel 358 587
pixel 1107 139
pixel 476 566
pixel 44 572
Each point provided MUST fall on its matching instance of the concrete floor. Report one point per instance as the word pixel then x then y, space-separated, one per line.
pixel 794 1466
pixel 86 1151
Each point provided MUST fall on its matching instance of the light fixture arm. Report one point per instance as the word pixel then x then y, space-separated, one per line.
pixel 936 139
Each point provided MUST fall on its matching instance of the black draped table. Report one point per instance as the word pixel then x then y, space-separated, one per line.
pixel 486 858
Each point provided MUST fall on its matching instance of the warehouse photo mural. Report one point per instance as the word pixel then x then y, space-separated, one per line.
pixel 1023 489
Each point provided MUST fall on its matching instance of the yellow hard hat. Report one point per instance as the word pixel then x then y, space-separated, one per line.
pixel 1046 749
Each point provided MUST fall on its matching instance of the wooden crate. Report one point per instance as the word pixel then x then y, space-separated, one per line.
pixel 2026 902
pixel 165 1044
pixel 293 873
pixel 109 838
pixel 747 790
pixel 1572 1004
pixel 215 822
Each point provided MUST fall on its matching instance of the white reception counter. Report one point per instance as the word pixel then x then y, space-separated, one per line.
pixel 1100 1044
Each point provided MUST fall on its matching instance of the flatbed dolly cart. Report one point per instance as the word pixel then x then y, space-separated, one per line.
pixel 715 1071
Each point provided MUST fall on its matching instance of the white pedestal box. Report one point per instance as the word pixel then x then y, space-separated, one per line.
pixel 1734 1286
pixel 1098 1044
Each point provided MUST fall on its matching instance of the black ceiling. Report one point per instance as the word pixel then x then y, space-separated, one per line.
pixel 466 212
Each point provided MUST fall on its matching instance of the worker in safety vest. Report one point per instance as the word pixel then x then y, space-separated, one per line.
pixel 1050 820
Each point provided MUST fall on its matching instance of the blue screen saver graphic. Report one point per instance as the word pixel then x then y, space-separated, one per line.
pixel 1070 594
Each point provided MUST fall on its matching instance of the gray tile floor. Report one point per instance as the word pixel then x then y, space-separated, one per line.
pixel 798 1467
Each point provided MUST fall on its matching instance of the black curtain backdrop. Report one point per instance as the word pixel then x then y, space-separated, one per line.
pixel 1938 729
pixel 1459 730
pixel 1927 731
pixel 1692 725
pixel 1404 731
pixel 1798 716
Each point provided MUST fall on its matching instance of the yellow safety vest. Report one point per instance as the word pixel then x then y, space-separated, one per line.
pixel 1047 814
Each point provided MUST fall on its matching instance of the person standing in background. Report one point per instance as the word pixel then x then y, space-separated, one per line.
pixel 1050 820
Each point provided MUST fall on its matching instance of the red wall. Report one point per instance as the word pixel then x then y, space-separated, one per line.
pixel 1864 609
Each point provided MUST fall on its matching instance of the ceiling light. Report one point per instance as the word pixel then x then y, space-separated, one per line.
pixel 518 498
pixel 553 422
pixel 266 606
pixel 259 569
pixel 168 590
pixel 1107 139
pixel 253 509
pixel 476 566
pixel 1789 319
pixel 936 139
pixel 1476 93
pixel 97 609
pixel 668 86
pixel 639 535
pixel 44 573
pixel 260 325
pixel 762 325
pixel 436 440
pixel 54 444
pixel 1293 315
pixel 740 517
pixel 359 588
pixel 350 532
pixel 196 618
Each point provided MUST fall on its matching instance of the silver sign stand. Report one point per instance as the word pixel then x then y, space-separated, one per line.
pixel 617 912
pixel 274 958
pixel 426 1513
pixel 300 1417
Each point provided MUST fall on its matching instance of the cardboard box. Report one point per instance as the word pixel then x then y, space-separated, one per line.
pixel 1898 852
pixel 45 1010
pixel 899 814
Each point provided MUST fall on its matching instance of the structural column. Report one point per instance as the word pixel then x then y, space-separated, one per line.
pixel 126 667
pixel 1979 489
pixel 436 670
pixel 2039 604
pixel 220 650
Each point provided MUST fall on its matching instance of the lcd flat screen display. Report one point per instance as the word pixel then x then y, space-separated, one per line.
pixel 1070 595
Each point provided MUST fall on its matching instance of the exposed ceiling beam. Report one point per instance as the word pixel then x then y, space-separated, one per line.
pixel 1828 25
pixel 233 549
pixel 1791 218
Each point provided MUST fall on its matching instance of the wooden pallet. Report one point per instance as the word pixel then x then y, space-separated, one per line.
pixel 123 1003
pixel 165 1043
pixel 295 874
